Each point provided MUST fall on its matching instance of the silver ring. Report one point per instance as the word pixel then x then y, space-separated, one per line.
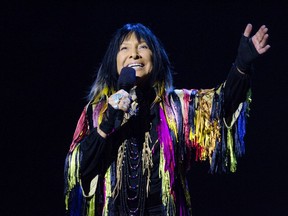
pixel 117 98
pixel 115 106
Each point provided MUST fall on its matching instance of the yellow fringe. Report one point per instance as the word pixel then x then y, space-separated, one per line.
pixel 147 162
pixel 207 132
pixel 230 148
pixel 120 158
pixel 166 190
pixel 107 191
pixel 91 207
pixel 170 119
pixel 73 172
pixel 230 143
pixel 105 92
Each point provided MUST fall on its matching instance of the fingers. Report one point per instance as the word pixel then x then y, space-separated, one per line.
pixel 120 100
pixel 260 40
pixel 264 49
pixel 263 44
pixel 261 33
pixel 248 30
pixel 124 104
pixel 263 40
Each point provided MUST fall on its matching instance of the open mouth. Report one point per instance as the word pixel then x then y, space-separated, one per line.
pixel 136 65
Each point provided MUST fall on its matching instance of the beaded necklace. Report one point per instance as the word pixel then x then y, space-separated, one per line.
pixel 132 194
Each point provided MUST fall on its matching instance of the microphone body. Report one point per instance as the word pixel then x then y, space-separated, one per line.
pixel 126 81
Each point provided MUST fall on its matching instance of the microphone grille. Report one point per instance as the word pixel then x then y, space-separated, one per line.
pixel 127 78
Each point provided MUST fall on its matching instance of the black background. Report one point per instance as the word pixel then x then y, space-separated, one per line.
pixel 49 55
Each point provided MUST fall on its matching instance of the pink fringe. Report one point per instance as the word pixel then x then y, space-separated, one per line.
pixel 80 130
pixel 167 144
pixel 96 113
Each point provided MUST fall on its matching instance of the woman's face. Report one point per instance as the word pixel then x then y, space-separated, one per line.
pixel 135 54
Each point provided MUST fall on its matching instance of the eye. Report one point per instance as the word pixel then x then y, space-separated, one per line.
pixel 123 48
pixel 143 46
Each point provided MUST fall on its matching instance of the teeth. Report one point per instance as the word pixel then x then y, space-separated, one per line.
pixel 135 65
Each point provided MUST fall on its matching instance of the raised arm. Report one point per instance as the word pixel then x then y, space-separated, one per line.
pixel 238 80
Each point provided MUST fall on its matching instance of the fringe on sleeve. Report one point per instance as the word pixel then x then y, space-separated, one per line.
pixel 76 201
pixel 207 132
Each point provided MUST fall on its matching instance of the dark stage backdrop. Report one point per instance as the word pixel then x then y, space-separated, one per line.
pixel 49 55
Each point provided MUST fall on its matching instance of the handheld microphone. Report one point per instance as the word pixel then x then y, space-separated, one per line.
pixel 127 79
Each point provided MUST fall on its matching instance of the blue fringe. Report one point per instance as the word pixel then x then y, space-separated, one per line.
pixel 220 161
pixel 240 132
pixel 191 111
pixel 76 202
pixel 217 106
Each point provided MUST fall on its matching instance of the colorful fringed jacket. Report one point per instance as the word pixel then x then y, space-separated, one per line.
pixel 185 124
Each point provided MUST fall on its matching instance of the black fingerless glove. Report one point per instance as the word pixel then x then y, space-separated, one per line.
pixel 108 122
pixel 247 53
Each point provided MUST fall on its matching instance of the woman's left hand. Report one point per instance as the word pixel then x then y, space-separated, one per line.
pixel 260 39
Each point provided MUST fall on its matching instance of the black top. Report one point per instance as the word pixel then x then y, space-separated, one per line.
pixel 98 153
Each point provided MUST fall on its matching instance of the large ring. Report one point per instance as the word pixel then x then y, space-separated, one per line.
pixel 115 106
pixel 117 98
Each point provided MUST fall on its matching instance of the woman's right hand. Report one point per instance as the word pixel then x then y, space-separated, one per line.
pixel 120 100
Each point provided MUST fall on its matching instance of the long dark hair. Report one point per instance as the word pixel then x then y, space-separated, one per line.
pixel 107 76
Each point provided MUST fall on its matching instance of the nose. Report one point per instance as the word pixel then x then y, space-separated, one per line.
pixel 134 54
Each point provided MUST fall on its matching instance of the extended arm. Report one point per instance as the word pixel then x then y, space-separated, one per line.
pixel 238 81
